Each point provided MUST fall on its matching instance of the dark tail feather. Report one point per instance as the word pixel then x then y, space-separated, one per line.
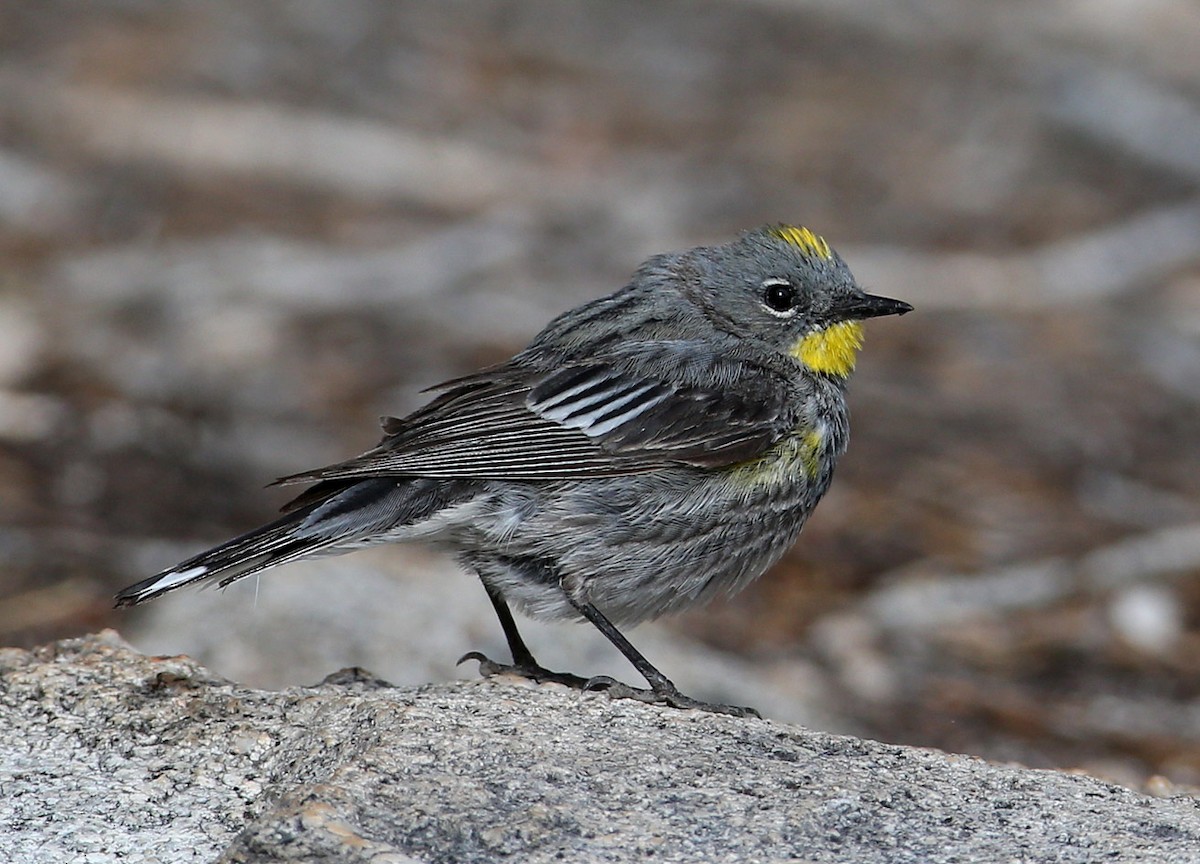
pixel 275 543
pixel 335 514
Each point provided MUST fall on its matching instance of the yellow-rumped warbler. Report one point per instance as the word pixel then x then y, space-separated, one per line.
pixel 648 450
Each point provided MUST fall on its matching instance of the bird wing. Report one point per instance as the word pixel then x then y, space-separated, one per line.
pixel 605 417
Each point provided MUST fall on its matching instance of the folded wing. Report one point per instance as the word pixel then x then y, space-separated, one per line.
pixel 601 418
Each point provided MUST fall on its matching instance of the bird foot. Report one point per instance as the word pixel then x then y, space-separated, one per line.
pixel 611 687
pixel 666 696
pixel 529 671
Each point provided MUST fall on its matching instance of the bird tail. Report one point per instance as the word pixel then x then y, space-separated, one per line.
pixel 328 517
pixel 275 543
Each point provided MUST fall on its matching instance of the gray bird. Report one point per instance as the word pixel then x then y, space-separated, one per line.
pixel 646 451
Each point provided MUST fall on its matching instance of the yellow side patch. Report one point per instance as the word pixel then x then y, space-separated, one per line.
pixel 804 240
pixel 800 451
pixel 810 452
pixel 831 350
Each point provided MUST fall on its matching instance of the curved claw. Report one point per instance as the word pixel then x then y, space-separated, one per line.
pixel 473 655
pixel 539 675
pixel 487 666
pixel 671 698
pixel 602 683
pixel 611 687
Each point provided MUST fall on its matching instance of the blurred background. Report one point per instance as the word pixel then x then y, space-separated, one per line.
pixel 234 234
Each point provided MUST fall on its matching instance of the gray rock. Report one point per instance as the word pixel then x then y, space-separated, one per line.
pixel 108 755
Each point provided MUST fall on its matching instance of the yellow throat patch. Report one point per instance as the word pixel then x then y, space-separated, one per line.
pixel 804 240
pixel 831 350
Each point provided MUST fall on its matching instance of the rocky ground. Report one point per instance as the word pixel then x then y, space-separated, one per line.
pixel 109 756
pixel 231 235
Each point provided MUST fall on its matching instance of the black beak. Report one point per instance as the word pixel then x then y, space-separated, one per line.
pixel 871 306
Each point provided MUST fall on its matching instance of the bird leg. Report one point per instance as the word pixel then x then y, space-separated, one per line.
pixel 524 665
pixel 662 690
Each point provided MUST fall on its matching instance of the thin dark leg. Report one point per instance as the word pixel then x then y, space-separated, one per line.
pixel 662 690
pixel 659 682
pixel 524 664
pixel 521 654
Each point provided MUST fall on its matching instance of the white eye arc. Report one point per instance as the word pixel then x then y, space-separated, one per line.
pixel 780 297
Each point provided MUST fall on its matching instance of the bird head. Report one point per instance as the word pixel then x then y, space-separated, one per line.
pixel 785 286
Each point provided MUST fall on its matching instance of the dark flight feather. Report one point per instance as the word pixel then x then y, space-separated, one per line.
pixel 608 417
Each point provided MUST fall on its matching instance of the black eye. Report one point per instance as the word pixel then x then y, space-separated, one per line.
pixel 780 296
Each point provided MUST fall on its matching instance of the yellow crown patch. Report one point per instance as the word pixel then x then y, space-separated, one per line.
pixel 804 240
